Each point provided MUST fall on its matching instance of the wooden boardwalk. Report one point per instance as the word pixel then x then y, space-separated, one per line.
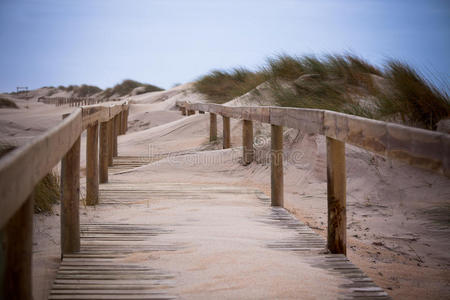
pixel 201 241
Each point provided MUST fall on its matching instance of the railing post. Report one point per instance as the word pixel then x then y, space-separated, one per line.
pixel 226 132
pixel 16 254
pixel 126 118
pixel 336 190
pixel 247 142
pixel 70 200
pixel 183 111
pixel 212 127
pixel 277 166
pixel 92 165
pixel 110 142
pixel 115 134
pixel 104 149
pixel 119 121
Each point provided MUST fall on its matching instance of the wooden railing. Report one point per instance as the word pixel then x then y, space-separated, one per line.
pixel 417 147
pixel 74 101
pixel 24 167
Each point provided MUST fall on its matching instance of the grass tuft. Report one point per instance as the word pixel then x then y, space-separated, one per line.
pixel 345 83
pixel 222 86
pixel 127 86
pixel 46 192
pixel 6 103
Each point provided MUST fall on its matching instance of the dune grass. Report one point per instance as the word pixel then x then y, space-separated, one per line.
pixel 46 192
pixel 83 90
pixel 344 83
pixel 127 86
pixel 6 103
pixel 222 86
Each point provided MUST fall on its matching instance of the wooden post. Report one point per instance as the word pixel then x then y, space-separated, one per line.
pixel 277 166
pixel 336 189
pixel 123 121
pixel 212 127
pixel 70 200
pixel 183 111
pixel 92 165
pixel 110 142
pixel 16 254
pixel 126 118
pixel 247 142
pixel 115 134
pixel 226 132
pixel 104 148
pixel 119 121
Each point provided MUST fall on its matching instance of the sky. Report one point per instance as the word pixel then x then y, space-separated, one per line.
pixel 164 42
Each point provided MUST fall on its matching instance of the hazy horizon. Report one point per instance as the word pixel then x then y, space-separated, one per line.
pixel 166 42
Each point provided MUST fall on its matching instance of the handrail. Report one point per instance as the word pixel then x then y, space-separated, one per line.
pixel 417 147
pixel 25 166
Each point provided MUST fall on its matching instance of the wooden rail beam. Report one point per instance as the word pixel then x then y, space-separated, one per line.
pixel 92 178
pixel 247 142
pixel 104 156
pixel 276 175
pixel 336 194
pixel 16 253
pixel 226 132
pixel 70 200
pixel 212 127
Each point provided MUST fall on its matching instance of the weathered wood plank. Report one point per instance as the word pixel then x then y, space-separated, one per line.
pixel 32 162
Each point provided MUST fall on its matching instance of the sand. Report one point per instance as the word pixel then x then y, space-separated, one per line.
pixel 398 216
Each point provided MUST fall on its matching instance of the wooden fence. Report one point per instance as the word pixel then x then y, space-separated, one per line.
pixel 24 167
pixel 417 147
pixel 74 101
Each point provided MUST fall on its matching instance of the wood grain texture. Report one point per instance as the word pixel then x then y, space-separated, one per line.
pixel 15 254
pixel 226 132
pixel 212 127
pixel 336 195
pixel 92 166
pixel 70 200
pixel 103 153
pixel 32 162
pixel 276 171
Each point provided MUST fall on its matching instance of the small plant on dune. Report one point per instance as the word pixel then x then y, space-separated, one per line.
pixel 222 86
pixel 6 103
pixel 127 86
pixel 46 192
pixel 412 97
pixel 87 90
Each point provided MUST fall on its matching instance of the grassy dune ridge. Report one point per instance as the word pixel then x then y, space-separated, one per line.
pixel 345 83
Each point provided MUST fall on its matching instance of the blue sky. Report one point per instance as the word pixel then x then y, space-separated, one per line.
pixel 163 42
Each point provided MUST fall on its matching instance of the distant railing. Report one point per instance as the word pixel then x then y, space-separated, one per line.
pixel 24 167
pixel 417 147
pixel 73 101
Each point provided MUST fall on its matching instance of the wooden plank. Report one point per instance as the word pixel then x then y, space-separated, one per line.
pixel 92 176
pixel 336 195
pixel 276 171
pixel 70 200
pixel 32 162
pixel 103 153
pixel 212 127
pixel 226 132
pixel 247 142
